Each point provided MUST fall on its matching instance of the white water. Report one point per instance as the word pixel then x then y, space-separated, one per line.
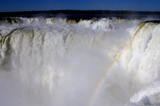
pixel 54 63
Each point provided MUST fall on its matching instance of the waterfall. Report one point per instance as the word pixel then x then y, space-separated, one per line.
pixel 61 62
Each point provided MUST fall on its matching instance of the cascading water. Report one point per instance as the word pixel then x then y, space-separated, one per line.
pixel 106 62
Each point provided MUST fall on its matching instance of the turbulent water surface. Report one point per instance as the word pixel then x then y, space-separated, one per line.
pixel 96 62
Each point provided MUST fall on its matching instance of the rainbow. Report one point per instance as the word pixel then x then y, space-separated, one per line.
pixel 113 65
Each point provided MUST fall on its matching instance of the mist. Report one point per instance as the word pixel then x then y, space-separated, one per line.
pixel 53 63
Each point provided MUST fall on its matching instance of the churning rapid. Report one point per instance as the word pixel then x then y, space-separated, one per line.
pixel 96 62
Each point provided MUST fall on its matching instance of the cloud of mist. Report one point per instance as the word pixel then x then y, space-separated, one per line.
pixel 62 65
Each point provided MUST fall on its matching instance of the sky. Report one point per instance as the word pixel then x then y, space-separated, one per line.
pixel 35 5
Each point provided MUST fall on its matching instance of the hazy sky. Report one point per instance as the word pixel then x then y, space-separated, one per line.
pixel 29 5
